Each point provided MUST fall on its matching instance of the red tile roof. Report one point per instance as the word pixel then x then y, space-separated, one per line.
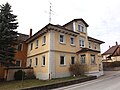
pixel 111 50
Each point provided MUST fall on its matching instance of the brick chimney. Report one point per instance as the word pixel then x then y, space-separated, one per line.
pixel 30 33
pixel 116 43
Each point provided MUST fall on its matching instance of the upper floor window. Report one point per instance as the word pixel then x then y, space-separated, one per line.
pixel 82 58
pixel 20 47
pixel 72 40
pixel 95 45
pixel 44 39
pixel 80 28
pixel 92 59
pixel 36 61
pixel 62 60
pixel 62 38
pixel 90 45
pixel 43 60
pixel 82 42
pixel 72 60
pixel 31 46
pixel 37 43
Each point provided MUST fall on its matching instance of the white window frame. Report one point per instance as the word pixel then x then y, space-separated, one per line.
pixel 82 42
pixel 83 59
pixel 36 62
pixel 81 28
pixel 63 38
pixel 37 43
pixel 93 57
pixel 30 62
pixel 21 47
pixel 71 59
pixel 44 40
pixel 43 58
pixel 31 46
pixel 90 44
pixel 95 45
pixel 73 41
pixel 20 63
pixel 64 60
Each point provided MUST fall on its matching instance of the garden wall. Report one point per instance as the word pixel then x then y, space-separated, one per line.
pixel 9 72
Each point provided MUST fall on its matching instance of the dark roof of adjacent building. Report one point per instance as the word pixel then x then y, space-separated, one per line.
pixel 111 50
pixel 86 50
pixel 95 40
pixel 22 37
pixel 77 20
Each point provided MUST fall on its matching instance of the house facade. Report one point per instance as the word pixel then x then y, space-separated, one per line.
pixel 112 54
pixel 21 50
pixel 53 48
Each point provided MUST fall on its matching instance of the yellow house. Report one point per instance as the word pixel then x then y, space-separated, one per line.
pixel 53 48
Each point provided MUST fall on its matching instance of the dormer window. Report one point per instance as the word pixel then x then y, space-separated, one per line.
pixel 80 28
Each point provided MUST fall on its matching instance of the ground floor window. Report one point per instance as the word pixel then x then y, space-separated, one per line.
pixel 62 60
pixel 82 59
pixel 72 60
pixel 18 63
pixel 36 61
pixel 93 59
pixel 43 61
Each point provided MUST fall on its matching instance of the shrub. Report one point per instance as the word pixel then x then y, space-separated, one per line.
pixel 30 74
pixel 77 69
pixel 19 75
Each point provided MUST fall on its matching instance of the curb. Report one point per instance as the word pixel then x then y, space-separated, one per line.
pixel 61 84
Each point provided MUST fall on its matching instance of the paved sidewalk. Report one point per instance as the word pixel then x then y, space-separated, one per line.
pixel 109 74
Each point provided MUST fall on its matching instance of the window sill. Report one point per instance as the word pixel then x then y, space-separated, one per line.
pixel 63 43
pixel 62 65
pixel 73 45
pixel 43 44
pixel 43 66
pixel 36 47
pixel 82 46
pixel 36 66
pixel 93 64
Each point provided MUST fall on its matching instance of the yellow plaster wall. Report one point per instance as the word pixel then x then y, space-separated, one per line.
pixel 63 68
pixel 66 47
pixel 41 48
pixel 39 67
pixel 91 67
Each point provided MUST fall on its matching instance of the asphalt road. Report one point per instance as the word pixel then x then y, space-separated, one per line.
pixel 104 83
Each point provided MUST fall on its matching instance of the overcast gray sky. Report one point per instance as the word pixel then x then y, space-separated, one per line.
pixel 103 16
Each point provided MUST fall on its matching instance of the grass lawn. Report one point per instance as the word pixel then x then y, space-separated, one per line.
pixel 15 85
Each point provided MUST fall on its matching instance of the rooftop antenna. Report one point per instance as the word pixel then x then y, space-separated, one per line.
pixel 50 12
